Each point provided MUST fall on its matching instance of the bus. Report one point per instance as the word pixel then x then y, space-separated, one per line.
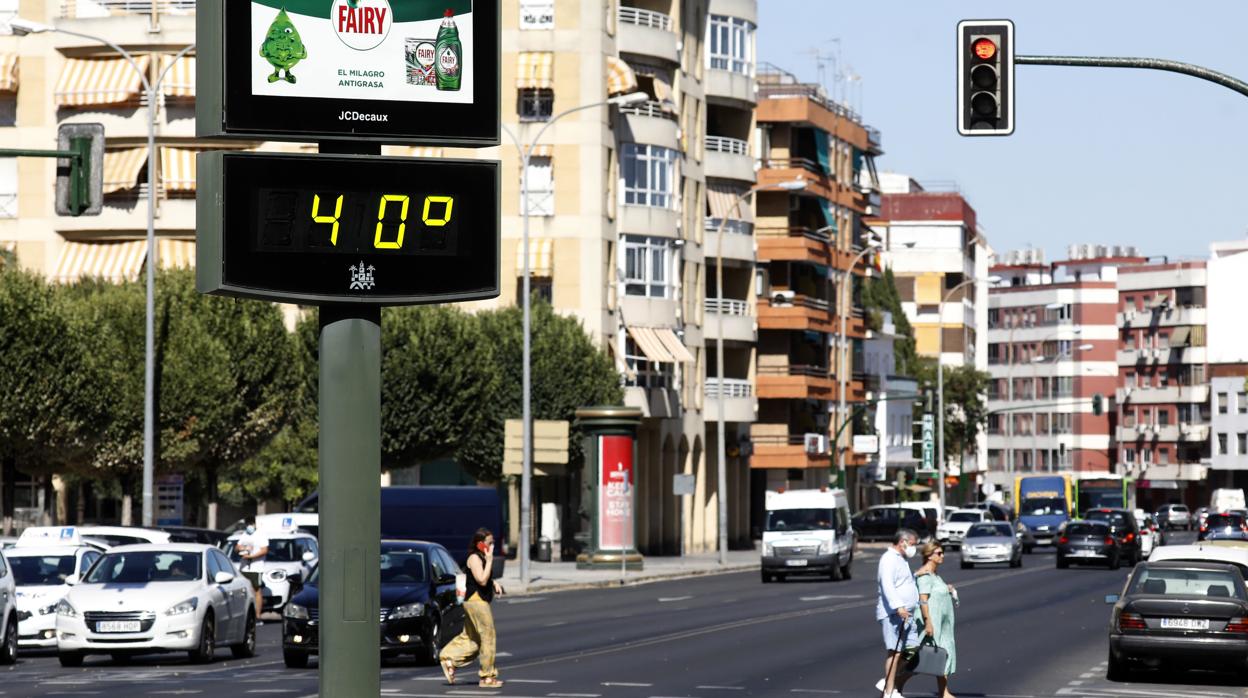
pixel 1105 490
pixel 1043 503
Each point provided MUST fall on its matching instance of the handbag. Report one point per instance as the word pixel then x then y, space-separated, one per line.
pixel 928 659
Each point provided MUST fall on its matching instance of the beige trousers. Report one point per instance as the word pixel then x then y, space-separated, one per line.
pixel 477 639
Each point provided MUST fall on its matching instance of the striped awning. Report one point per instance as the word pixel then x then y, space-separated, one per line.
pixel 720 199
pixel 8 72
pixel 620 77
pixel 175 254
pixel 541 257
pixel 660 344
pixel 177 168
pixel 179 80
pixel 122 168
pixel 535 70
pixel 663 93
pixel 112 261
pixel 100 81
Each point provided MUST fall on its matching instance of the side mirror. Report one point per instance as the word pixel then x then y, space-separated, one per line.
pixel 71 580
pixel 1112 598
pixel 309 556
pixel 295 578
pixel 446 579
pixel 223 578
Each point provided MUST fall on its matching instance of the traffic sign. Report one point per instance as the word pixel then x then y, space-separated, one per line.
pixel 929 442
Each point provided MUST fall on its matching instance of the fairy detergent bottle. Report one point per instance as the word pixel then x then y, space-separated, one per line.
pixel 450 54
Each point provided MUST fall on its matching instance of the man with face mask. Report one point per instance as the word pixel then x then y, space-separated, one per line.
pixel 898 597
pixel 252 547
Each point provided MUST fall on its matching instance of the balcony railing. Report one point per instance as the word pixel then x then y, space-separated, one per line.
pixel 645 18
pixel 777 440
pixel 728 306
pixel 649 379
pixel 794 370
pixel 75 9
pixel 732 387
pixel 724 144
pixel 732 225
pixel 819 235
pixel 655 110
pixel 780 300
pixel 794 164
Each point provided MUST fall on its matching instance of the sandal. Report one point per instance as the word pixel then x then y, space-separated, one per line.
pixel 491 682
pixel 448 670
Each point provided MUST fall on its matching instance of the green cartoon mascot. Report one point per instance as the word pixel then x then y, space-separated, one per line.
pixel 283 48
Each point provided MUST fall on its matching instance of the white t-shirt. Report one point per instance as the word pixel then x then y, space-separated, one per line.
pixel 249 542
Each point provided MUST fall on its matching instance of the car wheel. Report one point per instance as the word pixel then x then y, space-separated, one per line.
pixel 846 571
pixel 1117 670
pixel 8 653
pixel 767 578
pixel 966 565
pixel 246 648
pixel 294 659
pixel 1062 563
pixel 1018 562
pixel 207 642
pixel 835 574
pixel 1115 562
pixel 70 659
pixel 1027 549
pixel 431 656
pixel 781 578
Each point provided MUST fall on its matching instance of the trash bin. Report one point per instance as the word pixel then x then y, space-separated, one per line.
pixel 543 550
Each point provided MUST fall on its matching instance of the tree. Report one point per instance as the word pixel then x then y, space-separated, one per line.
pixel 880 295
pixel 966 411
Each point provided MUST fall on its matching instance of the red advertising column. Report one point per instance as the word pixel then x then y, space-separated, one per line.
pixel 610 477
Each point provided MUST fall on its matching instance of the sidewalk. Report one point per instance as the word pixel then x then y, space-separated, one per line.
pixel 563 576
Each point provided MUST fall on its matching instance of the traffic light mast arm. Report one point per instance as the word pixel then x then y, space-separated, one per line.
pixel 1145 63
pixel 836 439
pixel 19 153
pixel 79 156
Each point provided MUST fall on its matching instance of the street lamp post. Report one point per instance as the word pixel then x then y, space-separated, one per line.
pixel 526 474
pixel 721 449
pixel 842 354
pixel 22 26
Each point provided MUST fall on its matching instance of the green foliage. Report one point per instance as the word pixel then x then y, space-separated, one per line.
pixel 966 411
pixel 880 295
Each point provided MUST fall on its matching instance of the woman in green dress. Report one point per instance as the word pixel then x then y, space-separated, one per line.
pixel 936 602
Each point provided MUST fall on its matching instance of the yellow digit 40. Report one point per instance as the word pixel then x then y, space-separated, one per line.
pixel 381 213
pixel 446 215
pixel 318 218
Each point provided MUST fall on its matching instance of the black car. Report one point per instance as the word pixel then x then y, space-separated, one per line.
pixel 1228 522
pixel 1124 529
pixel 191 534
pixel 1179 615
pixel 882 521
pixel 419 613
pixel 1087 542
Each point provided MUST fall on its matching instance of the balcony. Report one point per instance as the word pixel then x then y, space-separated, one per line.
pixel 775 447
pixel 793 244
pixel 738 240
pixel 1178 355
pixel 734 87
pixel 1187 394
pixel 739 404
pixel 739 323
pixel 1168 433
pixel 785 311
pixel 729 158
pixel 652 123
pixel 794 382
pixel 646 33
pixel 1164 317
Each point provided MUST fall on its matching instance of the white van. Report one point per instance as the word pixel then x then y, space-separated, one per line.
pixel 1225 499
pixel 807 532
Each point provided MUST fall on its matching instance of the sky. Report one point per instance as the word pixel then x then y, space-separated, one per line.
pixel 1099 155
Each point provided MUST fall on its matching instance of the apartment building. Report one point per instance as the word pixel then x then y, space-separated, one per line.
pixel 1052 338
pixel 1163 433
pixel 807 241
pixel 1227 352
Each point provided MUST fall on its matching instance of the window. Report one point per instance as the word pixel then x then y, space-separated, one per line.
pixel 1128 455
pixel 994 318
pixel 1241 403
pixel 1222 398
pixel 731 44
pixel 537 14
pixel 8 187
pixel 539 287
pixel 1065 386
pixel 541 185
pixel 1063 347
pixel 1163 417
pixel 1163 456
pixel 647 261
pixel 644 373
pixel 535 103
pixel 649 175
pixel 1242 440
pixel 1222 445
pixel 1146 457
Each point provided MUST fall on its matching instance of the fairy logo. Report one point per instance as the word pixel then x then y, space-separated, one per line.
pixel 362 24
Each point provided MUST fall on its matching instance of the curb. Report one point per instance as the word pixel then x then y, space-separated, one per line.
pixel 634 582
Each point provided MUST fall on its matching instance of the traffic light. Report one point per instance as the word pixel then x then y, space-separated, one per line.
pixel 986 77
pixel 80 180
pixel 1098 404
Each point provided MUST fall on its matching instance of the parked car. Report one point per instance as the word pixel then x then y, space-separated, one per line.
pixel 112 536
pixel 808 532
pixel 1171 516
pixel 881 522
pixel 953 530
pixel 1222 523
pixel 991 542
pixel 1122 527
pixel 999 511
pixel 144 599
pixel 1179 615
pixel 46 561
pixel 8 613
pixel 1087 541
pixel 1235 553
pixel 1148 535
pixel 419 611
pixel 291 558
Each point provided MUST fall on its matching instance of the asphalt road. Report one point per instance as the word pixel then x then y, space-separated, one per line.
pixel 1030 632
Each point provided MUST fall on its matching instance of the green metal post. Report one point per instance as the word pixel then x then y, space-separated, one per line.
pixel 350 504
pixel 80 175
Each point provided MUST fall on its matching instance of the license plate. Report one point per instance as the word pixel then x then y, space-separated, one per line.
pixel 796 563
pixel 1083 553
pixel 117 626
pixel 1185 623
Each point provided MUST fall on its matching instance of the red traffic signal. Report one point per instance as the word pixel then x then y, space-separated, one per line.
pixel 984 49
pixel 986 77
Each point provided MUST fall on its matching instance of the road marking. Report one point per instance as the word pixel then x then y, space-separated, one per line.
pixel 813 690
pixel 670 599
pixel 627 685
pixel 555 624
pixel 574 695
pixel 272 690
pixel 531 681
pixel 1088 675
pixel 721 688
pixel 825 597
pixel 525 599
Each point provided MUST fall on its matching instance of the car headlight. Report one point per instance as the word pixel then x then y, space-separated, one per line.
pixel 411 610
pixel 64 608
pixel 47 609
pixel 183 608
pixel 769 550
pixel 825 547
pixel 276 575
pixel 295 612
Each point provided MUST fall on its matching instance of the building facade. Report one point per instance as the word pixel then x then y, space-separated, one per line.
pixel 1228 365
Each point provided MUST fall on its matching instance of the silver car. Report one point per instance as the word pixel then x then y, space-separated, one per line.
pixel 989 543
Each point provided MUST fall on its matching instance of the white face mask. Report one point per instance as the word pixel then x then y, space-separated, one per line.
pixel 251 530
pixel 911 551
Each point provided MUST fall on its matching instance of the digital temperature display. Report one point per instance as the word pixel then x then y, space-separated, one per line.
pixel 322 228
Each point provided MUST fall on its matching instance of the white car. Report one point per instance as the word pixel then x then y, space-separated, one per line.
pixel 8 614
pixel 1230 552
pixel 112 536
pixel 146 599
pixel 290 555
pixel 45 561
pixel 952 531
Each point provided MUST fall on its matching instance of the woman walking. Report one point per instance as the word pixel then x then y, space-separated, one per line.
pixel 477 639
pixel 936 603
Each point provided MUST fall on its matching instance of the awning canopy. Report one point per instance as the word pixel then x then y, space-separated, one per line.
pixel 660 344
pixel 100 81
pixel 621 79
pixel 175 254
pixel 8 72
pixel 541 257
pixel 535 70
pixel 179 81
pixel 112 261
pixel 1180 336
pixel 122 168
pixel 177 169
pixel 829 217
pixel 720 198
pixel 821 150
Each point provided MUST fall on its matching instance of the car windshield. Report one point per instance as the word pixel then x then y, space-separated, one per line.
pixel 1086 529
pixel 1224 521
pixel 403 567
pixel 965 516
pixel 280 550
pixel 36 570
pixel 1113 518
pixel 1178 507
pixel 988 530
pixel 801 520
pixel 1043 506
pixel 1158 581
pixel 143 566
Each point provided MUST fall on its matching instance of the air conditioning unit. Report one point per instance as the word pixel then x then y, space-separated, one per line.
pixel 783 298
pixel 816 444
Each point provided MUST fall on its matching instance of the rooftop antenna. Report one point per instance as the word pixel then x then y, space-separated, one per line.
pixel 822 61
